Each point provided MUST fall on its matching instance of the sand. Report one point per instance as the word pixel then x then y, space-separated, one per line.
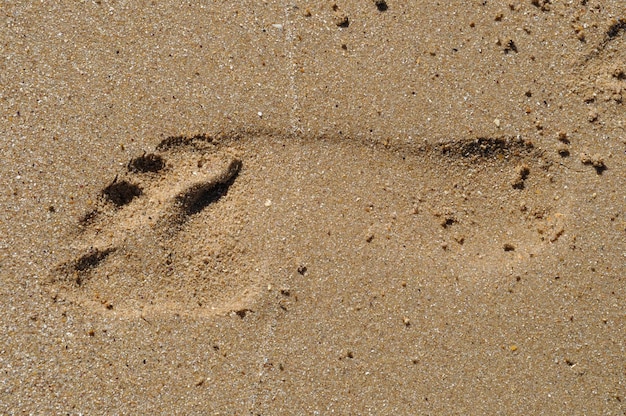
pixel 312 208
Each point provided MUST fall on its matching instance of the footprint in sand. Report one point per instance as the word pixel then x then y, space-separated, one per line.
pixel 205 226
pixel 128 243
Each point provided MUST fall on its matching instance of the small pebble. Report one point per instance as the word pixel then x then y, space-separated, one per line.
pixel 381 5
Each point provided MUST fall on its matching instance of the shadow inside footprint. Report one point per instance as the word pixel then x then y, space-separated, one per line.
pixel 146 163
pixel 614 30
pixel 199 196
pixel 121 193
pixel 92 259
pixel 76 271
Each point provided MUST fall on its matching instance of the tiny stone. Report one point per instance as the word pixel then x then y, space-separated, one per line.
pixel 510 46
pixel 563 151
pixel 523 171
pixel 595 160
pixel 593 116
pixel 340 18
pixel 342 21
pixel 521 174
pixel 381 5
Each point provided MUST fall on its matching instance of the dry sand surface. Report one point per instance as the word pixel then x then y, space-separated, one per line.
pixel 350 207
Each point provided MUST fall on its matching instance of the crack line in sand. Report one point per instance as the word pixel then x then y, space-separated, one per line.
pixel 289 49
